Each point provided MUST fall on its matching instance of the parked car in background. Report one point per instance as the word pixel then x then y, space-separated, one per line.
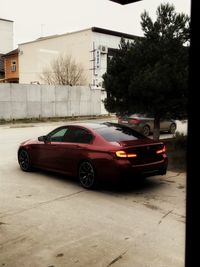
pixel 144 123
pixel 93 152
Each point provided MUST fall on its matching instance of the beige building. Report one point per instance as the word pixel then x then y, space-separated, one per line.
pixel 6 36
pixel 89 47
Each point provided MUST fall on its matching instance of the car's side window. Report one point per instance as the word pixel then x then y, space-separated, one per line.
pixel 57 136
pixel 78 135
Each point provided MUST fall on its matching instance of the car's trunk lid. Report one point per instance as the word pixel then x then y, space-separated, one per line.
pixel 146 152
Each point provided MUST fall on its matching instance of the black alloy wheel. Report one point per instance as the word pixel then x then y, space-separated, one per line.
pixel 86 175
pixel 24 160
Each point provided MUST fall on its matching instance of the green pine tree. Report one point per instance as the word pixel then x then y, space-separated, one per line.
pixel 151 74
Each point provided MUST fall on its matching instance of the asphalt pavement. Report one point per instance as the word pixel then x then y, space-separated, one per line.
pixel 49 220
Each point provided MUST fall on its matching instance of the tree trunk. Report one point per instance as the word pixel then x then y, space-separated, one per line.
pixel 156 130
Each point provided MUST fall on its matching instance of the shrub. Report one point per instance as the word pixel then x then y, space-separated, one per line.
pixel 176 151
pixel 179 141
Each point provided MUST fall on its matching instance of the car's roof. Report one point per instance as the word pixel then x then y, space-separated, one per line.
pixel 94 125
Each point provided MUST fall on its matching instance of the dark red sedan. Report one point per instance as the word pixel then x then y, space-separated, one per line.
pixel 94 152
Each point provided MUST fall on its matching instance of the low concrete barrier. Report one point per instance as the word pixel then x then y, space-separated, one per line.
pixel 19 101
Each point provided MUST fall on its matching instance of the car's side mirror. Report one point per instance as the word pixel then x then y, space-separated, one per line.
pixel 42 138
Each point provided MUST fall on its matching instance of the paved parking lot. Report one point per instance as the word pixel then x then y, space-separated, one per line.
pixel 50 220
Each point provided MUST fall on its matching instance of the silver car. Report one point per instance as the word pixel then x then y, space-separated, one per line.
pixel 144 123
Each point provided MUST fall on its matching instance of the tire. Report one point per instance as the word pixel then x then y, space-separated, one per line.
pixel 24 160
pixel 86 175
pixel 146 130
pixel 172 128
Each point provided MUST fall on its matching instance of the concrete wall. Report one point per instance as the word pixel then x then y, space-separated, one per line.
pixel 19 101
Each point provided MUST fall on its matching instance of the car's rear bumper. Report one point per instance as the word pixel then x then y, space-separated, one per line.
pixel 149 169
pixel 123 168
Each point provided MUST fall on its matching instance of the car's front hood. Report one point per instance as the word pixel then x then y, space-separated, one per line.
pixel 29 141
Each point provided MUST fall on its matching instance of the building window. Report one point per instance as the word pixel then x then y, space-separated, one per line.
pixel 13 66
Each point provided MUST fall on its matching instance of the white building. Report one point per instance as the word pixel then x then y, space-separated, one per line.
pixel 6 36
pixel 89 47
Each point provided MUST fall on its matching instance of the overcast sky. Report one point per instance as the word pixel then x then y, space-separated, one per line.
pixel 36 18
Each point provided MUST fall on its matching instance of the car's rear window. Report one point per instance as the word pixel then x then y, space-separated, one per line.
pixel 116 133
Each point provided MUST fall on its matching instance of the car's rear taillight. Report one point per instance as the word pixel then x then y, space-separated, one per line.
pixel 123 154
pixel 134 121
pixel 160 151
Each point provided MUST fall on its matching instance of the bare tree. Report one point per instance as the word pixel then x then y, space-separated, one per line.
pixel 65 71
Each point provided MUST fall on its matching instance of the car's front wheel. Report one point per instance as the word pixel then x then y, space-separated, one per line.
pixel 24 160
pixel 86 175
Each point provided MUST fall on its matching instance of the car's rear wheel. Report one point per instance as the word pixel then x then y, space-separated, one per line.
pixel 86 175
pixel 146 130
pixel 172 128
pixel 24 160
